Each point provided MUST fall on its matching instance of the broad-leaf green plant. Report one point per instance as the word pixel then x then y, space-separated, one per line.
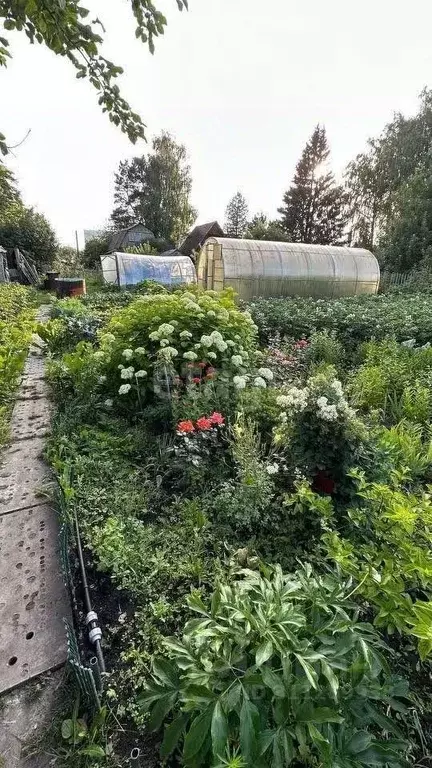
pixel 277 670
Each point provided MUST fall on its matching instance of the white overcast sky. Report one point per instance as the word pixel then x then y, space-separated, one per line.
pixel 241 82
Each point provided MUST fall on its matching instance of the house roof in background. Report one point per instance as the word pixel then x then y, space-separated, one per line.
pixel 198 235
pixel 118 238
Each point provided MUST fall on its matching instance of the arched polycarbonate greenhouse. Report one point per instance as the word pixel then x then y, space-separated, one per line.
pixel 259 268
pixel 130 269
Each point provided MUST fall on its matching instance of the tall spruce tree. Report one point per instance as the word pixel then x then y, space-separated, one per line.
pixel 156 190
pixel 236 216
pixel 314 209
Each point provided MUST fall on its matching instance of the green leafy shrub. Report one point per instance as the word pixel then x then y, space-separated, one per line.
pixel 409 452
pixel 71 323
pixel 386 548
pixel 78 374
pixel 69 307
pixel 260 407
pixel 243 503
pixel 324 347
pixel 396 379
pixel 318 431
pixel 104 303
pixel 161 344
pixel 277 670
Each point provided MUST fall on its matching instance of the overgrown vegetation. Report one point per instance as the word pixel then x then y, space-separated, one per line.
pixel 17 316
pixel 203 470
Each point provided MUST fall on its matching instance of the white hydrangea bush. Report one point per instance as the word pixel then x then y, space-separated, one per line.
pixel 177 336
pixel 323 396
pixel 317 427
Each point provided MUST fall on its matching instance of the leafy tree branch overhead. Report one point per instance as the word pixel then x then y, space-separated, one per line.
pixel 63 26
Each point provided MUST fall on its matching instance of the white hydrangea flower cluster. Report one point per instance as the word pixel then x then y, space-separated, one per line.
pixel 272 469
pixel 240 382
pixel 260 382
pixel 295 399
pixel 325 411
pixel 127 354
pixel 265 373
pixel 190 355
pixel 127 373
pixel 124 389
pixel 190 304
pixel 215 339
pixel 167 353
pixel 237 360
pixel 165 330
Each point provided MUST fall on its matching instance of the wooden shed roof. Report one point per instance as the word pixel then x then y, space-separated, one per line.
pixel 118 238
pixel 198 235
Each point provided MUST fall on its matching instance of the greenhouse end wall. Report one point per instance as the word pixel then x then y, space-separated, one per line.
pixel 129 269
pixel 260 268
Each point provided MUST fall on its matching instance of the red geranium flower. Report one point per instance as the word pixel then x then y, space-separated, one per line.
pixel 217 418
pixel 196 379
pixel 202 365
pixel 185 426
pixel 203 423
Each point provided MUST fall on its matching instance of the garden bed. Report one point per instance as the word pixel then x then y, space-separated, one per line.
pixel 17 321
pixel 268 506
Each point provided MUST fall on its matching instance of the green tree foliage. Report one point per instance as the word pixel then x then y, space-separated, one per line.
pixel 10 198
pixel 95 248
pixel 63 26
pixel 31 232
pixel 313 208
pixel 131 192
pixel 68 262
pixel 261 228
pixel 367 190
pixel 380 185
pixel 236 216
pixel 156 190
pixel 408 237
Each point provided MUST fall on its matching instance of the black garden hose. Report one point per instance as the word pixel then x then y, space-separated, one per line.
pixel 91 620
